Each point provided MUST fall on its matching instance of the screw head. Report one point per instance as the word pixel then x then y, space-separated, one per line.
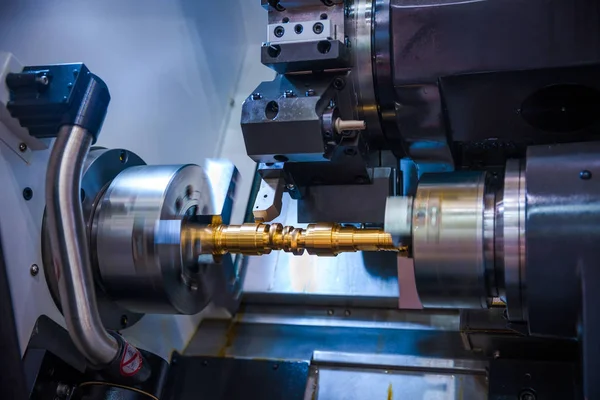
pixel 347 313
pixel 34 270
pixel 310 92
pixel 22 147
pixel 43 80
pixel 330 312
pixel 256 96
pixel 339 83
pixel 289 94
pixel 497 354
pixel 585 175
pixel 290 186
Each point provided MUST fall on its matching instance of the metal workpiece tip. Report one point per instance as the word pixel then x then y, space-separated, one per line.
pixel 352 125
pixel 323 239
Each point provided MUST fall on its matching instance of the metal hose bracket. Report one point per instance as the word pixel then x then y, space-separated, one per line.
pixel 68 102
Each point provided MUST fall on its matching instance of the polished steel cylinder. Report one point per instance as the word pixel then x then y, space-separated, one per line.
pixel 137 232
pixel 510 239
pixel 68 237
pixel 449 239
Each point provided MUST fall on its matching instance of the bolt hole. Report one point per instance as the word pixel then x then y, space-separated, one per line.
pixel 298 29
pixel 27 193
pixel 324 46
pixel 123 156
pixel 318 28
pixel 323 16
pixel 272 110
pixel 280 158
pixel 124 321
pixel 285 20
pixel 279 31
pixel 585 175
pixel 265 196
pixel 274 51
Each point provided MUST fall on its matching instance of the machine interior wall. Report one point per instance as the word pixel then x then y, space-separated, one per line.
pixel 173 69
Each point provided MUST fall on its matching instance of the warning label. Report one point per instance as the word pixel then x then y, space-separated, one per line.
pixel 131 362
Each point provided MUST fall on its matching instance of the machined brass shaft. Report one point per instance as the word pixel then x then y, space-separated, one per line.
pixel 258 239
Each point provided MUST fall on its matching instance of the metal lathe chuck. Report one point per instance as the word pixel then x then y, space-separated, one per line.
pixel 130 210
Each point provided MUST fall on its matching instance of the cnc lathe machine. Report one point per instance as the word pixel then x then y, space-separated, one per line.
pixel 300 199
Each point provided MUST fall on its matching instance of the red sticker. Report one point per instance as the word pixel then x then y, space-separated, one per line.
pixel 131 362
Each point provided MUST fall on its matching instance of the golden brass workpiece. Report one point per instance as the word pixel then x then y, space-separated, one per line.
pixel 259 239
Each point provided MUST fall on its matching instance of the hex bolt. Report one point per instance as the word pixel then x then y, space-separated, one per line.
pixel 310 92
pixel 289 94
pixel 256 96
pixel 34 270
pixel 351 125
pixel 290 186
pixel 22 147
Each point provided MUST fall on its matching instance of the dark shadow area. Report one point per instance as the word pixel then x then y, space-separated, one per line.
pixel 381 264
